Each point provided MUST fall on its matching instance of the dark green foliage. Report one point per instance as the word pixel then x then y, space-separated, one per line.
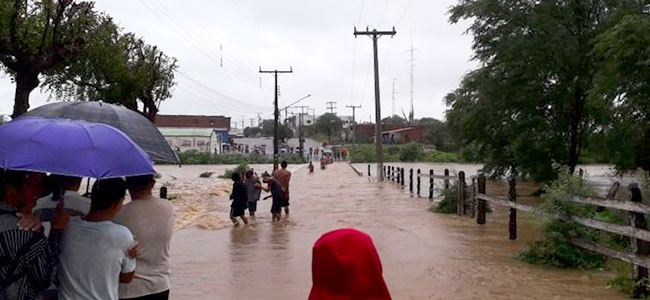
pixel 193 157
pixel 439 134
pixel 528 106
pixel 624 82
pixel 328 125
pixel 554 249
pixel 367 153
pixel 252 131
pixel 240 169
pixel 449 202
pixel 394 119
pixel 206 174
pixel 284 132
pixel 410 152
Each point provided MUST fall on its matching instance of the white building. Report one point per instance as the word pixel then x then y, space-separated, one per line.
pixel 200 139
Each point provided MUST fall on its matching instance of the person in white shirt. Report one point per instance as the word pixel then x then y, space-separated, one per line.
pixel 94 257
pixel 73 203
pixel 151 220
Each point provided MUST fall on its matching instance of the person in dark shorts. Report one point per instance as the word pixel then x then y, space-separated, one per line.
pixel 284 177
pixel 239 199
pixel 253 190
pixel 277 193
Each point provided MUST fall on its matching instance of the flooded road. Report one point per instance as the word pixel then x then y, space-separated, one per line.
pixel 425 255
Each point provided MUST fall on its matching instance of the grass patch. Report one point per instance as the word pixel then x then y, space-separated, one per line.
pixel 412 152
pixel 449 203
pixel 193 157
pixel 240 169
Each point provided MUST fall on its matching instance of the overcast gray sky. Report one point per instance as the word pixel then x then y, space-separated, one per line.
pixel 314 37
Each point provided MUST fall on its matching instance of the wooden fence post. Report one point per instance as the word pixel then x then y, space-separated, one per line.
pixel 403 181
pixel 399 174
pixel 446 180
pixel 640 247
pixel 411 180
pixel 512 196
pixel 369 170
pixel 383 171
pixel 461 193
pixel 482 205
pixel 473 201
pixel 431 184
pixel 419 182
pixel 392 173
pixel 163 192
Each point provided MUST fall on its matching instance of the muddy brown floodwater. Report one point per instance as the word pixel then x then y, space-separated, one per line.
pixel 425 255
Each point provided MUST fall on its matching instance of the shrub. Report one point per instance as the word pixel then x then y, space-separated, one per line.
pixel 193 157
pixel 206 174
pixel 555 248
pixel 239 169
pixel 449 203
pixel 410 152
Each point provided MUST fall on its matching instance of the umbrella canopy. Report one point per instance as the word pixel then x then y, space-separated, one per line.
pixel 142 131
pixel 70 147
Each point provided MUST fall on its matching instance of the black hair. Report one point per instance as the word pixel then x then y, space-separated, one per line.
pixel 135 183
pixel 283 164
pixel 106 192
pixel 8 178
pixel 235 177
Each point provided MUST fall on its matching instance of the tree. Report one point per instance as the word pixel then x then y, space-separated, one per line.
pixel 116 68
pixel 284 132
pixel 394 119
pixel 623 80
pixel 527 107
pixel 36 36
pixel 252 131
pixel 329 124
pixel 438 134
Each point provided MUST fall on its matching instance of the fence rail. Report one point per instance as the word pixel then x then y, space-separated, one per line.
pixel 472 200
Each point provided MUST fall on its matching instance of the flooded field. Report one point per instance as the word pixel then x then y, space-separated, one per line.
pixel 425 255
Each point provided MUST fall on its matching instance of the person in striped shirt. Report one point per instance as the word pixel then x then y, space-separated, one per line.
pixel 27 257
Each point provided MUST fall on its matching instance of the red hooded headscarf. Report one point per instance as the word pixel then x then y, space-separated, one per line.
pixel 346 266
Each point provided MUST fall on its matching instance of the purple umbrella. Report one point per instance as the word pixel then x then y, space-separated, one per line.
pixel 70 147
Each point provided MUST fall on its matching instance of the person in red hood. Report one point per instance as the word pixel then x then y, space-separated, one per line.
pixel 346 266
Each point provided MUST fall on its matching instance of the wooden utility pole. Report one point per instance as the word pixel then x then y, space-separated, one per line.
pixel 276 112
pixel 375 35
pixel 354 124
pixel 330 106
pixel 300 135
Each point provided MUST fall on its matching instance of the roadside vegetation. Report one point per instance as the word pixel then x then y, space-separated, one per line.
pixel 412 152
pixel 193 157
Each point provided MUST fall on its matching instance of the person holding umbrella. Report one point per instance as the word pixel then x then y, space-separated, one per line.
pixel 28 257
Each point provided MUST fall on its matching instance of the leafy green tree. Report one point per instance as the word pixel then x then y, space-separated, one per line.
pixel 116 68
pixel 527 107
pixel 394 119
pixel 624 81
pixel 438 134
pixel 252 131
pixel 36 36
pixel 329 124
pixel 284 132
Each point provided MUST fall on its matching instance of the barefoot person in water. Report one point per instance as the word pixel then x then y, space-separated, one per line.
pixel 277 193
pixel 239 199
pixel 284 176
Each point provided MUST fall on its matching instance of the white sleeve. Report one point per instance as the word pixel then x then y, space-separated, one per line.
pixel 128 263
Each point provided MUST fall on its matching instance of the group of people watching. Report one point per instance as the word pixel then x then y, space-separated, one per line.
pixel 246 192
pixel 58 244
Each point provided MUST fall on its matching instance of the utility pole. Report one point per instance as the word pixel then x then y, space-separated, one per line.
pixel 330 106
pixel 412 113
pixel 375 35
pixel 354 125
pixel 243 124
pixel 252 119
pixel 394 92
pixel 259 120
pixel 276 112
pixel 300 136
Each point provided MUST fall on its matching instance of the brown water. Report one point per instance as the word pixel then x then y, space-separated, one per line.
pixel 425 255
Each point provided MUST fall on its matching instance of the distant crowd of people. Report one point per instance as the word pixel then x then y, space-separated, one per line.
pixel 58 244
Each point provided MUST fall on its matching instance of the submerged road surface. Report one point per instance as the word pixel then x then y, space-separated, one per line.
pixel 425 255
